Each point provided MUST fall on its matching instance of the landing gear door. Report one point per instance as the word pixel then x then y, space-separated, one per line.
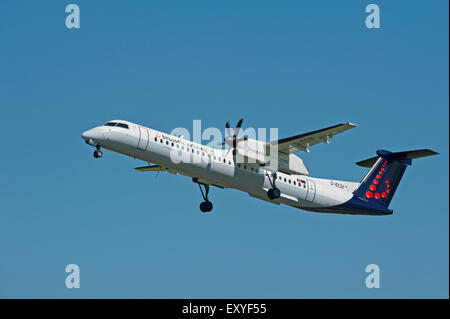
pixel 143 138
pixel 311 187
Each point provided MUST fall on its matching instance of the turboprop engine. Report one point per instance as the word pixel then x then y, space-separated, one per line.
pixel 262 153
pixel 291 164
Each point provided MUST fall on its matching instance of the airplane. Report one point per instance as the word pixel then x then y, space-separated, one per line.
pixel 288 182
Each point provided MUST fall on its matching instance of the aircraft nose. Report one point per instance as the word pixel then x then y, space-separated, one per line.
pixel 92 136
pixel 86 135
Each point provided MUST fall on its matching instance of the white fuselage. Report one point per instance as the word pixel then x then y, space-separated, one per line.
pixel 217 167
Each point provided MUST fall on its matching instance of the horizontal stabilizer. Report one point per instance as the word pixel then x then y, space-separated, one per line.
pixel 398 155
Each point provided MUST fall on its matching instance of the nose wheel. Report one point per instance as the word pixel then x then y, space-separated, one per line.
pixel 205 206
pixel 98 153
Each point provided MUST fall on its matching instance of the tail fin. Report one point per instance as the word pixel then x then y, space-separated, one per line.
pixel 381 182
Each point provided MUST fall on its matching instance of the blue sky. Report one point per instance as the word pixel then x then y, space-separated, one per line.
pixel 297 66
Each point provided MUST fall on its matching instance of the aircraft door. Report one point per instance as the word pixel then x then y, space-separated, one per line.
pixel 144 137
pixel 311 190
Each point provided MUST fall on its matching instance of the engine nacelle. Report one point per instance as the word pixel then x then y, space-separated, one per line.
pixel 253 151
pixel 291 164
pixel 258 152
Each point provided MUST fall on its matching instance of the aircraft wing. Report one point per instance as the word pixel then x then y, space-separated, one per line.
pixel 151 168
pixel 302 142
pixel 156 168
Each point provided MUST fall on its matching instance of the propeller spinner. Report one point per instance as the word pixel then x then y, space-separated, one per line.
pixel 233 139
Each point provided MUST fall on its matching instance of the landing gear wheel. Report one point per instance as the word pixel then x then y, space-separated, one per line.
pixel 98 153
pixel 206 207
pixel 273 193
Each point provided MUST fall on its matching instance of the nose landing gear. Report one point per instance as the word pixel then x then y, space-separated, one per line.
pixel 205 206
pixel 98 153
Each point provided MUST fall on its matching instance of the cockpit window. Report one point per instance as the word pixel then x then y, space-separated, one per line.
pixel 110 124
pixel 122 125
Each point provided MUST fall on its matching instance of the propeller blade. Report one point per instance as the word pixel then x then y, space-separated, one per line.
pixel 229 131
pixel 238 127
pixel 233 137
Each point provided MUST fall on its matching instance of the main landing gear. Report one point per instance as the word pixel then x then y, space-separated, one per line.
pixel 274 192
pixel 98 153
pixel 205 206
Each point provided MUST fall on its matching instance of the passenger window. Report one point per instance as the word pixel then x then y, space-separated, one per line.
pixel 172 144
pixel 285 179
pixel 289 181
pixel 156 139
pixel 224 160
pixel 161 140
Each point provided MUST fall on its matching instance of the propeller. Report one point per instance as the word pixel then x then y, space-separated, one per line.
pixel 233 139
